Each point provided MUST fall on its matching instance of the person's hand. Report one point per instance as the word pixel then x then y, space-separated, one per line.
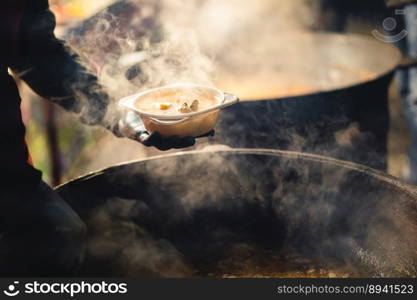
pixel 131 126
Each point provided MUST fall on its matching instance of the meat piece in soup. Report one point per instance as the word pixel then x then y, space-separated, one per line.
pixel 194 106
pixel 184 109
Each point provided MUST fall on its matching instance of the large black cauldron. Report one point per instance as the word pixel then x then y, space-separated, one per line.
pixel 168 215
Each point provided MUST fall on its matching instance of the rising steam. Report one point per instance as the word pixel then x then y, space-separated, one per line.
pixel 135 45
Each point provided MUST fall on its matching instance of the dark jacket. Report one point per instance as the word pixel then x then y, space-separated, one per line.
pixel 29 48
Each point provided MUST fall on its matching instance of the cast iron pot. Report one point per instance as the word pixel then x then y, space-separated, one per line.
pixel 346 121
pixel 179 215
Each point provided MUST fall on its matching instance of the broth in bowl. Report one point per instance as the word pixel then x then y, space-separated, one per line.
pixel 173 102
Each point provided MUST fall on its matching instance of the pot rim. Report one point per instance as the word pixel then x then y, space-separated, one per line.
pixel 395 182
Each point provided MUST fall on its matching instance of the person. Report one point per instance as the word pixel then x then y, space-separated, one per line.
pixel 40 234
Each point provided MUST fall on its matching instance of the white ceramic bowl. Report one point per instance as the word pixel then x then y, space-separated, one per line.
pixel 189 124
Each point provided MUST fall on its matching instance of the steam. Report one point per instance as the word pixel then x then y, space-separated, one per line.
pixel 134 252
pixel 136 45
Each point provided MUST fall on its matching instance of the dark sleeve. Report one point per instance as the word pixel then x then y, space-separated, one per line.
pixel 54 71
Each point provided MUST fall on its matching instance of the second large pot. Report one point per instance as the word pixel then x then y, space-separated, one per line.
pixel 336 103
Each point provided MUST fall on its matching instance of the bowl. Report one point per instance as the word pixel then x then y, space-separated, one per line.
pixel 171 122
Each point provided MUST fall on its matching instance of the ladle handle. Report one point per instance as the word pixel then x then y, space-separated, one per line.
pixel 407 62
pixel 398 3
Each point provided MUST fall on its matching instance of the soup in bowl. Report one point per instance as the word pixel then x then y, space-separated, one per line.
pixel 179 110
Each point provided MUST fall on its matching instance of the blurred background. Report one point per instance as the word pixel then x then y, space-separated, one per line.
pixel 115 38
